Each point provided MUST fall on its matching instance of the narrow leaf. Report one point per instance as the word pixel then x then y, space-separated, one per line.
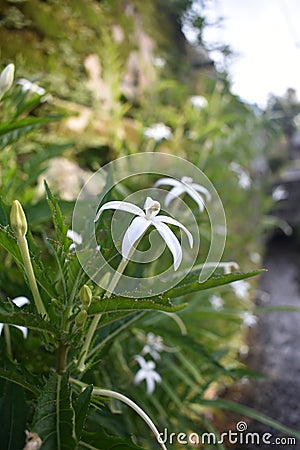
pixel 81 410
pixel 13 413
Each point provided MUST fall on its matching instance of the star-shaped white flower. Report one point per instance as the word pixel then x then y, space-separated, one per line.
pixel 153 346
pixel 147 373
pixel 198 101
pixel 216 302
pixel 140 225
pixel 158 131
pixel 18 301
pixel 244 180
pixel 249 319
pixel 185 185
pixel 75 237
pixel 241 288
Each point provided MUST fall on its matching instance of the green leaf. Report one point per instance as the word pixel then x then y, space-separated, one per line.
pixel 19 375
pixel 191 283
pixel 54 416
pixel 13 413
pixel 57 217
pixel 11 131
pixel 103 441
pixel 81 408
pixel 12 315
pixel 117 303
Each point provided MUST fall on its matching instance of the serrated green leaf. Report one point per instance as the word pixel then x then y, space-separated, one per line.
pixel 11 131
pixel 81 408
pixel 103 441
pixel 57 216
pixel 54 415
pixel 19 375
pixel 12 315
pixel 13 413
pixel 191 283
pixel 117 304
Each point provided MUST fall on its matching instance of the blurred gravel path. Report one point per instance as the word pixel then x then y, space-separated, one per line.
pixel 275 344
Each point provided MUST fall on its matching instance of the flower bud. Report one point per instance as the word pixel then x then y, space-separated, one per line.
pixel 18 219
pixel 80 319
pixel 6 79
pixel 85 296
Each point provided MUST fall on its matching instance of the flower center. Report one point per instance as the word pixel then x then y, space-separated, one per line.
pixel 151 208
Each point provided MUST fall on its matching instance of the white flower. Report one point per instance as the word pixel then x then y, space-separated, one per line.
pixel 147 373
pixel 279 193
pixel 241 288
pixel 75 237
pixel 158 131
pixel 159 62
pixel 29 86
pixel 6 79
pixel 187 186
pixel 249 319
pixel 198 101
pixel 244 179
pixel 154 346
pixel 18 301
pixel 140 225
pixel 216 302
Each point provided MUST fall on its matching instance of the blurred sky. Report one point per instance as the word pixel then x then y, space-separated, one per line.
pixel 265 34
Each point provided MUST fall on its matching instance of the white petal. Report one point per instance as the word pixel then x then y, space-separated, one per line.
pixel 20 301
pixel 156 377
pixel 167 181
pixel 23 329
pixel 174 192
pixel 75 237
pixel 150 385
pixel 202 189
pixel 171 241
pixel 1 327
pixel 134 232
pixel 122 206
pixel 142 362
pixel 197 197
pixel 140 376
pixel 171 221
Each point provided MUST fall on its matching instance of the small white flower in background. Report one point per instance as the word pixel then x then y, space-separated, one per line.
pixel 29 86
pixel 154 345
pixel 140 225
pixel 184 186
pixel 159 62
pixel 249 319
pixel 244 180
pixel 241 288
pixel 6 79
pixel 216 302
pixel 279 193
pixel 75 237
pixel 158 131
pixel 147 373
pixel 18 301
pixel 198 101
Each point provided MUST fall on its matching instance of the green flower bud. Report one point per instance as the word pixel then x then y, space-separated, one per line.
pixel 85 296
pixel 6 79
pixel 18 219
pixel 80 319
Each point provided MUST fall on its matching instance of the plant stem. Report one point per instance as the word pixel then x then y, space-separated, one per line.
pixel 129 402
pixel 110 289
pixel 7 340
pixel 61 363
pixel 23 246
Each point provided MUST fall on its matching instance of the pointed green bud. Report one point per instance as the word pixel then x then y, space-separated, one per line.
pixel 85 296
pixel 80 319
pixel 6 79
pixel 18 219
